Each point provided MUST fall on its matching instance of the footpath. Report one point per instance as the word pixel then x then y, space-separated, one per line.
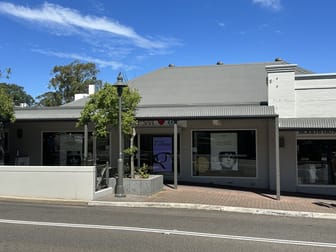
pixel 231 200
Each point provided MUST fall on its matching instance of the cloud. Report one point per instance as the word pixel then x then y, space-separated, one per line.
pixel 221 24
pixel 71 20
pixel 101 63
pixel 271 4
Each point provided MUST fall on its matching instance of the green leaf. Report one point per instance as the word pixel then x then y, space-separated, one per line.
pixel 103 110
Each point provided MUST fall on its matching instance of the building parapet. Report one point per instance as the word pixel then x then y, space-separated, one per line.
pixel 281 68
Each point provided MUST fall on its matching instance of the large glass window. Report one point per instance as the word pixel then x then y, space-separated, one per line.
pixel 316 162
pixel 62 148
pixel 224 153
pixel 67 148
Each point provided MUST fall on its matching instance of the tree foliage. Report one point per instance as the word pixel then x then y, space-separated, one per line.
pixel 49 99
pixel 6 102
pixel 5 72
pixel 17 94
pixel 103 109
pixel 69 80
pixel 6 107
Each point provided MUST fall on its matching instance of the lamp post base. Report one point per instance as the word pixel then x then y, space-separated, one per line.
pixel 119 195
pixel 119 192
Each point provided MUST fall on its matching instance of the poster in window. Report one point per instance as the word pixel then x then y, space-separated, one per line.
pixel 224 150
pixel 162 154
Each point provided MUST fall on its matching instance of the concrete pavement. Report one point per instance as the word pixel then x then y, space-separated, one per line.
pixel 232 200
pixel 215 199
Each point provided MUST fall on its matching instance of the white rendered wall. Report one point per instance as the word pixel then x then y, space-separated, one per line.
pixel 315 97
pixel 281 93
pixel 53 182
pixel 309 95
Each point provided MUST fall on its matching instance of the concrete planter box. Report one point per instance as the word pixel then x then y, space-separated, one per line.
pixel 139 186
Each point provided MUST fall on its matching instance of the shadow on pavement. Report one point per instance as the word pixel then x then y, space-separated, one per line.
pixel 324 204
pixel 262 192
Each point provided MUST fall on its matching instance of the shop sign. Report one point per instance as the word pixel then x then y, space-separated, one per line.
pixel 156 123
pixel 317 132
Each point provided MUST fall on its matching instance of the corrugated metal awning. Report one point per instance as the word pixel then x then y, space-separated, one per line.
pixel 55 113
pixel 204 112
pixel 160 112
pixel 307 123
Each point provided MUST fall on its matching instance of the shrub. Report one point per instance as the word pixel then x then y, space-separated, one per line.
pixel 143 171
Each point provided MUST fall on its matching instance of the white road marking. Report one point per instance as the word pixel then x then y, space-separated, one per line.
pixel 170 232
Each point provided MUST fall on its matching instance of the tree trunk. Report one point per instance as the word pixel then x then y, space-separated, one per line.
pixel 132 155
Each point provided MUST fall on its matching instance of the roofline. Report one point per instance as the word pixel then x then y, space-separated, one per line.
pixel 205 117
pixel 315 76
pixel 200 105
pixel 47 108
pixel 219 65
pixel 73 119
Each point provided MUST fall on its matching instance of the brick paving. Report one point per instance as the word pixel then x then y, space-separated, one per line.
pixel 234 198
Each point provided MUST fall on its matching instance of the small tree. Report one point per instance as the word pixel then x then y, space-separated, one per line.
pixel 103 107
pixel 6 107
pixel 6 114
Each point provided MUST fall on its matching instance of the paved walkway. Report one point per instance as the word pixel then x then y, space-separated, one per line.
pixel 231 198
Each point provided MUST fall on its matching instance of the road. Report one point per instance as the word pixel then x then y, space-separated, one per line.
pixel 43 227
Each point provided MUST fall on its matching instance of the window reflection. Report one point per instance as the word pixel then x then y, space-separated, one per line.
pixel 316 162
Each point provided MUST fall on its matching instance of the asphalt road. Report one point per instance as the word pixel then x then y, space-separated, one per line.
pixel 41 227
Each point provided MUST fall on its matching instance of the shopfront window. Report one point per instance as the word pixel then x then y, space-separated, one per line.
pixel 316 162
pixel 224 153
pixel 62 148
pixel 67 148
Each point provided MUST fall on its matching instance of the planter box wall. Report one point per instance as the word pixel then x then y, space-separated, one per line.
pixel 139 186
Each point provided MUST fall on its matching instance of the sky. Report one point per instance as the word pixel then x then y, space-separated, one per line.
pixel 136 37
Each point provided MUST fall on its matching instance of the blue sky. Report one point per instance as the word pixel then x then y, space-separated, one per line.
pixel 140 36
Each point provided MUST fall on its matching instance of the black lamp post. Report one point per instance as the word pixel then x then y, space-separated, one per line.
pixel 119 192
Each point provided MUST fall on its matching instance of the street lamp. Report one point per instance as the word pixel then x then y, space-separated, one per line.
pixel 119 192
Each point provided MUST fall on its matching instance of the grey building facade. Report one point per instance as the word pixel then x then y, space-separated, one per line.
pixel 231 123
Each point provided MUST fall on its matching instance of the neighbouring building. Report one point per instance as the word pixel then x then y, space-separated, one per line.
pixel 230 124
